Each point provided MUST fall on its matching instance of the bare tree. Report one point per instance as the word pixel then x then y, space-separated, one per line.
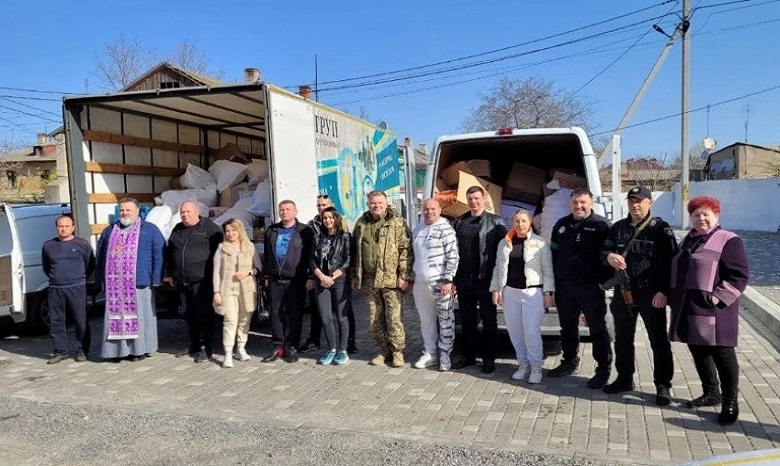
pixel 122 61
pixel 528 103
pixel 187 56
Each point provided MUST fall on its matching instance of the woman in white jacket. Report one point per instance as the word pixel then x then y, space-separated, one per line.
pixel 523 283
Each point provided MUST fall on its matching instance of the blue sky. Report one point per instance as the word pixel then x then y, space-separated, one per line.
pixel 51 46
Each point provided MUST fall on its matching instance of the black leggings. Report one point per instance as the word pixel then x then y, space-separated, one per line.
pixel 714 361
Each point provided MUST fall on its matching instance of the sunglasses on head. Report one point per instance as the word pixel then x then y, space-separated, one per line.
pixel 322 196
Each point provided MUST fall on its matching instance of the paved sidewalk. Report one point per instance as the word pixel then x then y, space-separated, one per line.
pixel 559 416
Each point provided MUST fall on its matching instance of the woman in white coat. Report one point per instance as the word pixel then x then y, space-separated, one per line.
pixel 523 282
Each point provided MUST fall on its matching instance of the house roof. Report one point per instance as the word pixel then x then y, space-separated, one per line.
pixel 199 79
pixel 772 148
pixel 26 155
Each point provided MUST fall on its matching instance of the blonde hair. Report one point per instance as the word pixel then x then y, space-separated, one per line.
pixel 520 212
pixel 243 239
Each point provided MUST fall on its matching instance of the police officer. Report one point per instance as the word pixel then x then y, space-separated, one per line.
pixel 576 245
pixel 640 248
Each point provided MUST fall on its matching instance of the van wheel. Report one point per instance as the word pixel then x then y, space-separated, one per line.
pixel 38 315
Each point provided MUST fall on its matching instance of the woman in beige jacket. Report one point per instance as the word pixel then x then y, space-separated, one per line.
pixel 524 273
pixel 236 263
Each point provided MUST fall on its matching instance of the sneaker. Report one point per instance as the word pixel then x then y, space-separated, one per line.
pixel 619 386
pixel 202 356
pixel 291 356
pixel 522 372
pixel 488 366
pixel 445 364
pixel 308 346
pixel 427 359
pixel 711 398
pixel 377 360
pixel 536 375
pixel 566 367
pixel 241 355
pixel 341 358
pixel 58 357
pixel 327 358
pixel 80 356
pixel 662 396
pixel 598 380
pixel 275 355
pixel 398 359
pixel 351 348
pixel 228 362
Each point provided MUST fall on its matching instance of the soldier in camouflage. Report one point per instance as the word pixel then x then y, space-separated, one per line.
pixel 383 270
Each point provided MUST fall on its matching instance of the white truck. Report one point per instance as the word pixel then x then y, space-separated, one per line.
pixel 23 285
pixel 544 153
pixel 133 143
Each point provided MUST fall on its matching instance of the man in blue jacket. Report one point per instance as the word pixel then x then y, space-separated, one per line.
pixel 68 261
pixel 287 247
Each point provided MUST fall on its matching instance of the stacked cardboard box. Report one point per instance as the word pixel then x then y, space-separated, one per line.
pixel 524 183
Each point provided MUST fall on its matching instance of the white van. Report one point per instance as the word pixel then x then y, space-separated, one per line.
pixel 541 153
pixel 23 285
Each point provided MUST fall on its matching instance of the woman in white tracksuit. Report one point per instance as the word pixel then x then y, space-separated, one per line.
pixel 523 282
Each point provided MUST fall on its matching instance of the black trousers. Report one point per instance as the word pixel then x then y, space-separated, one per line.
pixel 332 304
pixel 588 299
pixel 714 361
pixel 625 331
pixel 315 322
pixel 287 300
pixel 61 301
pixel 197 302
pixel 475 303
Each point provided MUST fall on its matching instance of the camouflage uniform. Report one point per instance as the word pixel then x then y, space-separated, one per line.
pixel 393 260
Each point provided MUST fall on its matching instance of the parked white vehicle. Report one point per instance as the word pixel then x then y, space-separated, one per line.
pixel 23 285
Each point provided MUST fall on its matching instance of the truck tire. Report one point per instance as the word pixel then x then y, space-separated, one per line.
pixel 38 312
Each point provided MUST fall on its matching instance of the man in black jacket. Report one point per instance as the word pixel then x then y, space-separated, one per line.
pixel 640 248
pixel 190 265
pixel 576 245
pixel 479 233
pixel 287 249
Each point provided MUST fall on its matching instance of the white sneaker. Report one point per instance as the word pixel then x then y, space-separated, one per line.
pixel 536 375
pixel 426 360
pixel 242 356
pixel 228 362
pixel 522 372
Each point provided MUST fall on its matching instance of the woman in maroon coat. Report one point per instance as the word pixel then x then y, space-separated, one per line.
pixel 708 276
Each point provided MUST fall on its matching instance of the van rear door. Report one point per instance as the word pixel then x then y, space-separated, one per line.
pixel 11 267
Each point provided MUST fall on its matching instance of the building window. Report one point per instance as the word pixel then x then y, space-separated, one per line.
pixel 169 85
pixel 11 175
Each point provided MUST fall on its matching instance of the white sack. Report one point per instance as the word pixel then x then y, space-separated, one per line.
pixel 556 206
pixel 256 172
pixel 196 177
pixel 227 173
pixel 160 216
pixel 173 198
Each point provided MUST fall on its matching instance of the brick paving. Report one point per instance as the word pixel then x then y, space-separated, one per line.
pixel 559 416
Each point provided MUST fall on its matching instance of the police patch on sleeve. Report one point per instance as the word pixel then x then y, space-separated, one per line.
pixel 561 230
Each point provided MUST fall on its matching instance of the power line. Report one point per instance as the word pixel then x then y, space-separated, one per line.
pixel 733 2
pixel 9 96
pixel 698 109
pixel 12 100
pixel 38 91
pixel 501 49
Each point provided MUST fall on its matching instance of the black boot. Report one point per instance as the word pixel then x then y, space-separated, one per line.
pixel 730 410
pixel 711 397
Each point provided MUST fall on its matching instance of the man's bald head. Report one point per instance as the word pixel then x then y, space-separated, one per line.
pixel 431 210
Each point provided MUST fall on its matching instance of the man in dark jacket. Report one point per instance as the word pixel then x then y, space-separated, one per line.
pixel 287 250
pixel 479 233
pixel 190 265
pixel 640 248
pixel 576 245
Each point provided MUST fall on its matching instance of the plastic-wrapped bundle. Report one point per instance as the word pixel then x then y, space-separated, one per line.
pixel 556 206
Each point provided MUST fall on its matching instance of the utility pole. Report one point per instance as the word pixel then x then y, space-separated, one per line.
pixel 686 62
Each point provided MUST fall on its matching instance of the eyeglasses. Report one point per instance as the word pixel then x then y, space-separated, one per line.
pixel 322 196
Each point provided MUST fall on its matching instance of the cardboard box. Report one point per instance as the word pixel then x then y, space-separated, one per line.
pixel 465 181
pixel 230 196
pixel 568 180
pixel 450 174
pixel 441 185
pixel 524 183
pixel 479 168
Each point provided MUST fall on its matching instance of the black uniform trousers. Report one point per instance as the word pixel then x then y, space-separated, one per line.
pixel 197 302
pixel 287 300
pixel 62 300
pixel 625 331
pixel 714 361
pixel 475 303
pixel 571 299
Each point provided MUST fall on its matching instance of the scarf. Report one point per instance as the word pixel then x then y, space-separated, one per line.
pixel 121 304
